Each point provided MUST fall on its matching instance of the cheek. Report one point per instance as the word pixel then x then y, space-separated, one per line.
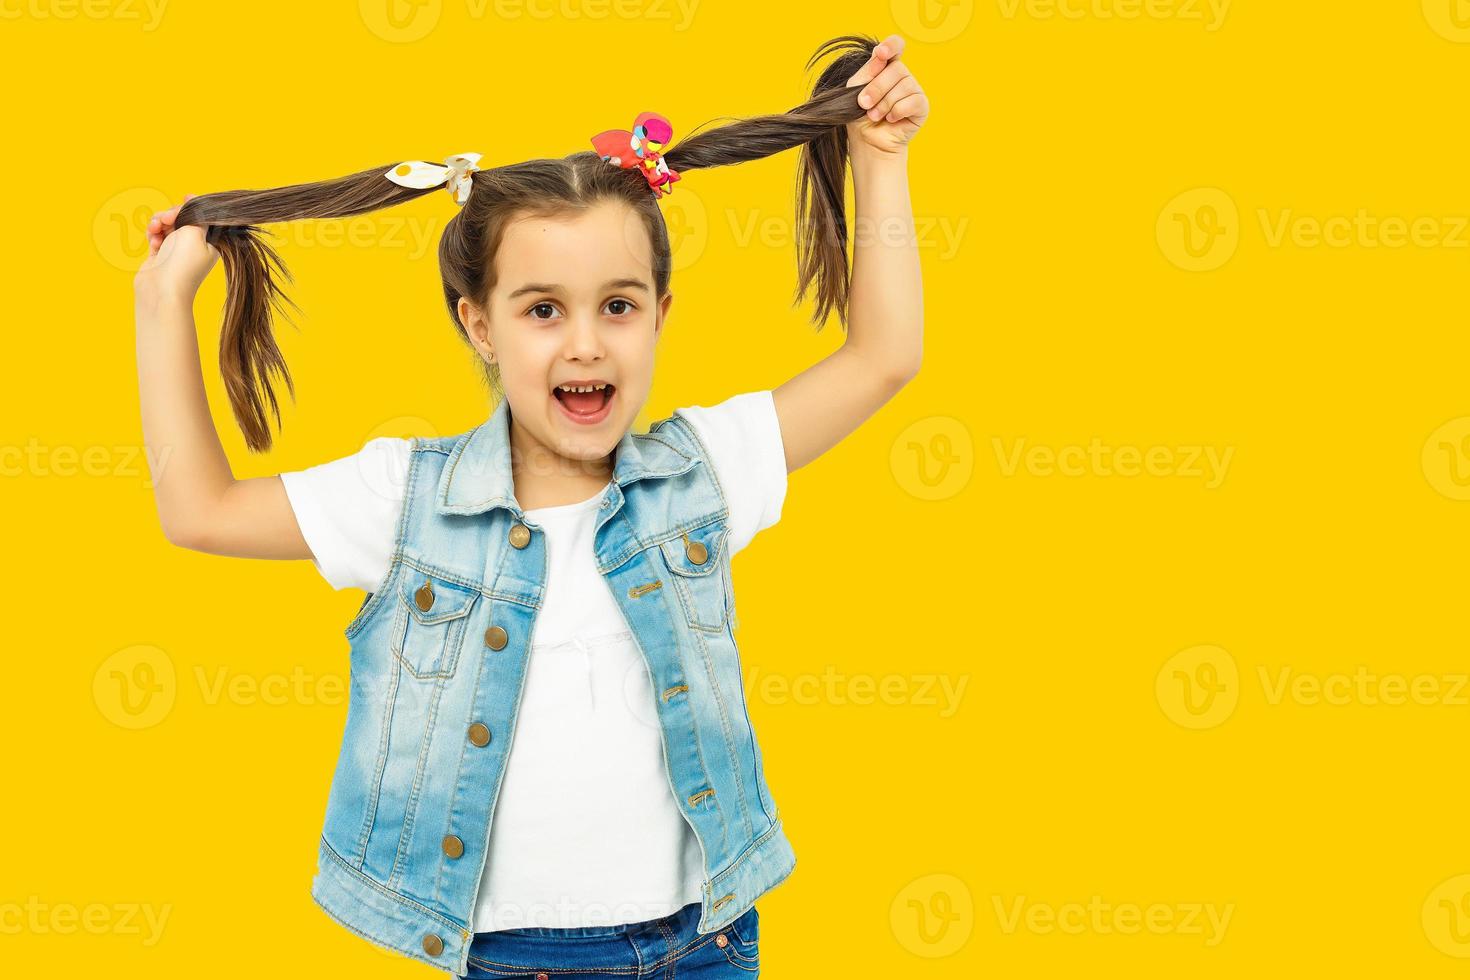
pixel 525 350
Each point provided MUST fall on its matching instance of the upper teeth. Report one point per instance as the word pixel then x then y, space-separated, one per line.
pixel 582 387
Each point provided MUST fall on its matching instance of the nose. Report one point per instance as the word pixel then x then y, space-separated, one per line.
pixel 583 339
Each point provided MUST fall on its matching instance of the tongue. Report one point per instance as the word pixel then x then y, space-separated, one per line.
pixel 582 402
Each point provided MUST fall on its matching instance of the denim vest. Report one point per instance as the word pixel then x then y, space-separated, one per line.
pixel 438 660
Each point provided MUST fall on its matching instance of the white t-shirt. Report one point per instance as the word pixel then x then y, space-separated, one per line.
pixel 586 830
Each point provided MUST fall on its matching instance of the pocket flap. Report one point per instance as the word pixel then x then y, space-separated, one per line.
pixel 705 543
pixel 444 601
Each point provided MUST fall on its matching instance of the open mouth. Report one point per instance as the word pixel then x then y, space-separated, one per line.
pixel 585 407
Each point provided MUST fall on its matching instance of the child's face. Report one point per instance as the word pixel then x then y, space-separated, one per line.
pixel 574 302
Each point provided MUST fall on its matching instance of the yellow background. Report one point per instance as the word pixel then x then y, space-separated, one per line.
pixel 1122 737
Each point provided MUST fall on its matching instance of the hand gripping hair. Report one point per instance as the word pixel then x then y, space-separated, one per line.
pixel 635 166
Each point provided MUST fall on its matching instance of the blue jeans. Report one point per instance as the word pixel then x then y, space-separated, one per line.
pixel 664 948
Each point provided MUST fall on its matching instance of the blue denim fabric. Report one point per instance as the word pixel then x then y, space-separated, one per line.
pixel 438 659
pixel 667 947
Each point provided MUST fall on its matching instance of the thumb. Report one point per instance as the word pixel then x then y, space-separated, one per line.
pixel 870 70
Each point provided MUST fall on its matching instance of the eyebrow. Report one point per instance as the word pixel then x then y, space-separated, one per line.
pixel 549 287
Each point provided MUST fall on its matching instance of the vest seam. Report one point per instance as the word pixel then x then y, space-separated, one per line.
pixel 510 738
pixel 683 426
pixel 480 662
pixel 410 817
pixel 390 893
pixel 733 759
pixel 454 793
pixel 721 515
pixel 693 727
pixel 689 431
pixel 370 815
pixel 740 859
pixel 758 767
pixel 399 536
pixel 370 938
pixel 461 444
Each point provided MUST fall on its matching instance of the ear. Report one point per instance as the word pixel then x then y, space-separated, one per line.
pixel 663 311
pixel 475 324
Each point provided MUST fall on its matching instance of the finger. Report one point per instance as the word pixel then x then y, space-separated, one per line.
pixel 870 69
pixel 867 72
pixel 891 47
pixel 913 107
pixel 163 220
pixel 872 96
pixel 905 86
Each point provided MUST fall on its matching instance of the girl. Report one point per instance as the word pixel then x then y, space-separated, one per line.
pixel 548 635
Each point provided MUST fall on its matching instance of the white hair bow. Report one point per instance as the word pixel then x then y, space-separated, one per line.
pixel 456 173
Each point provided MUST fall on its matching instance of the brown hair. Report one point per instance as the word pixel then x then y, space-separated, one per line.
pixel 249 355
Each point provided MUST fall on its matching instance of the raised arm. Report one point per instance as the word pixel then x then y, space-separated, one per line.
pixel 823 404
pixel 200 503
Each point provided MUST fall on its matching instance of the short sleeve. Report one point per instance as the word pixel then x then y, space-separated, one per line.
pixel 348 511
pixel 743 437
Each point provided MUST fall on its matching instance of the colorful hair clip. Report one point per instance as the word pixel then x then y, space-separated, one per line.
pixel 456 172
pixel 641 148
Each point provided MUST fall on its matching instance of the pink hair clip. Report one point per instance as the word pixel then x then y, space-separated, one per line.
pixel 641 148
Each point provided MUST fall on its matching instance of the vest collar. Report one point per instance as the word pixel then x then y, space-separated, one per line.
pixel 477 475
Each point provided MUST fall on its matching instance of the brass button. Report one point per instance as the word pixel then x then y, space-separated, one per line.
pixel 424 597
pixel 496 638
pixel 721 941
pixel 520 535
pixel 697 552
pixel 433 945
pixel 453 846
pixel 479 734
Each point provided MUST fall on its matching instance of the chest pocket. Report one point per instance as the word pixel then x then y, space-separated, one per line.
pixel 432 616
pixel 700 575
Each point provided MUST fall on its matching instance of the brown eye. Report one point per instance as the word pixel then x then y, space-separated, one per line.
pixel 541 306
pixel 621 302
